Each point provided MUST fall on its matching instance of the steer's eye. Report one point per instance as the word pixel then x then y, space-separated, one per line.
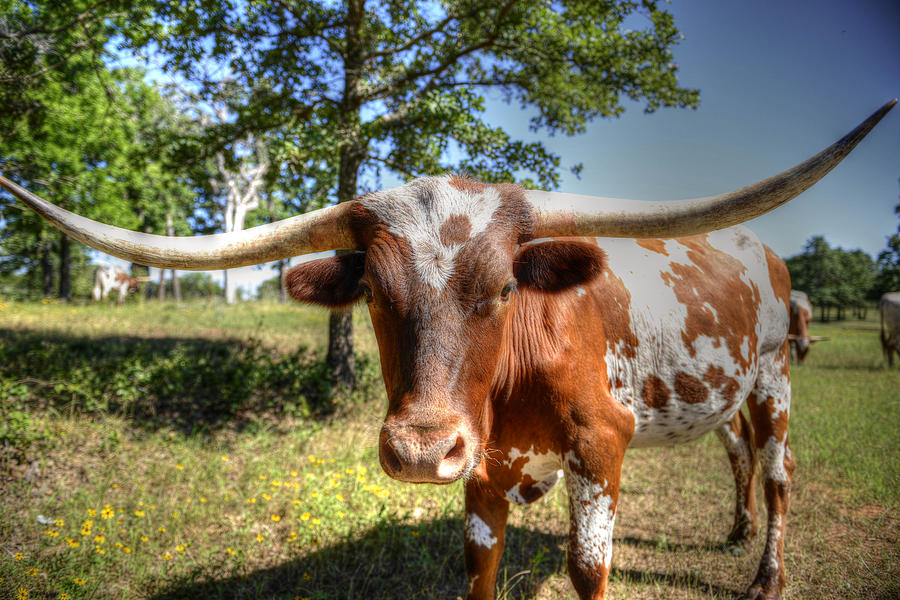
pixel 508 289
pixel 366 290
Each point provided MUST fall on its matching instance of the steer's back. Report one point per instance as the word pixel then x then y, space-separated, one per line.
pixel 688 322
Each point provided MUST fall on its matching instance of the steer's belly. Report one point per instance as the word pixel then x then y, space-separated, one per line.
pixel 677 425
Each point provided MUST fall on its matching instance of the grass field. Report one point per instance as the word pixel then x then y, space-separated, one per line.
pixel 169 452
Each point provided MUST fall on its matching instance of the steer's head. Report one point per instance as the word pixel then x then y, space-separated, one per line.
pixel 438 261
pixel 440 266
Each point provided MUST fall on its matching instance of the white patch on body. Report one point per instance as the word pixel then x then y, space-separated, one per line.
pixel 416 211
pixel 543 468
pixel 658 320
pixel 479 532
pixel 592 516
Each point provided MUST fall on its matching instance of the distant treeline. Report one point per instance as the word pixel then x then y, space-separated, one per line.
pixel 840 282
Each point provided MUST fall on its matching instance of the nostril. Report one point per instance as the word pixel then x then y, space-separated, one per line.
pixel 458 451
pixel 390 460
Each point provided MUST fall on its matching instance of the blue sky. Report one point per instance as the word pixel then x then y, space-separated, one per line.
pixel 778 81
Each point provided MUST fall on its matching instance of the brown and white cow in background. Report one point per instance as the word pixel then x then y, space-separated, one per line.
pixel 798 331
pixel 515 346
pixel 889 307
pixel 107 279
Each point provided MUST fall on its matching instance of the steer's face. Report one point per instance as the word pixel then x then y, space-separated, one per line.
pixel 441 274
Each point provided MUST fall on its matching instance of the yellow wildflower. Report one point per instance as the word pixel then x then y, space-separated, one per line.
pixel 203 499
pixel 266 496
pixel 306 577
pixel 305 516
pixel 32 571
pixel 51 533
pixel 251 500
pixel 22 594
pixel 161 530
pixel 260 537
pixel 144 538
pixel 276 518
pixel 230 551
pixel 126 550
pixel 79 580
pixel 139 513
pixel 179 467
pixel 60 523
pixel 99 539
pixel 293 473
pixel 92 513
pixel 179 548
pixel 108 512
pixel 167 556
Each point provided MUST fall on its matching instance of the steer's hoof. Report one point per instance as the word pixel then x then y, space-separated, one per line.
pixel 760 592
pixel 734 549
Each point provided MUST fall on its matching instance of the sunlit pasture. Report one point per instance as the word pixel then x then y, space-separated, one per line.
pixel 166 452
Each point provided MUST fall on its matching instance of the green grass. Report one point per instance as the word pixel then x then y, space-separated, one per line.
pixel 179 432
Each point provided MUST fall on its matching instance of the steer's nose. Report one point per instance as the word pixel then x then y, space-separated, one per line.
pixel 423 454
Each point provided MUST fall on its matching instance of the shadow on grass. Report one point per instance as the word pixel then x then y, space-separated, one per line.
pixel 400 561
pixel 188 384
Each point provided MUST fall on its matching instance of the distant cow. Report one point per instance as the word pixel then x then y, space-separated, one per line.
pixel 889 305
pixel 798 332
pixel 108 278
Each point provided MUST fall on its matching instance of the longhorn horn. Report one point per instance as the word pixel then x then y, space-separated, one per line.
pixel 560 214
pixel 323 229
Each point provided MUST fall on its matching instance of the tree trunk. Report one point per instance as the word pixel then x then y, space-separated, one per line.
pixel 46 267
pixel 65 268
pixel 340 358
pixel 282 288
pixel 161 290
pixel 176 286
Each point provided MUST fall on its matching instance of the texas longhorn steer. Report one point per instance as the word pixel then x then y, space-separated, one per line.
pixel 513 347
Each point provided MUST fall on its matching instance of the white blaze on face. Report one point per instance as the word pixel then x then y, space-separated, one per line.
pixel 592 516
pixel 416 211
pixel 479 532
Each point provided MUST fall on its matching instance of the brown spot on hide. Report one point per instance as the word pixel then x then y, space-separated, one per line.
pixel 690 389
pixel 614 301
pixel 455 230
pixel 655 392
pixel 717 380
pixel 719 303
pixel 121 277
pixel 653 244
pixel 464 184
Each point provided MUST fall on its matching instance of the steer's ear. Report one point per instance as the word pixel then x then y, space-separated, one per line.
pixel 331 282
pixel 554 266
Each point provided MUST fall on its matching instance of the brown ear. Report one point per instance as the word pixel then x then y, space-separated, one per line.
pixel 332 282
pixel 555 266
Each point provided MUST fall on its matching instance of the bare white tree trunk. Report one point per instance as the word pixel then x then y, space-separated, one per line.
pixel 242 191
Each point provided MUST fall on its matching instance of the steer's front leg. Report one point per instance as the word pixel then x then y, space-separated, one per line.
pixel 593 489
pixel 486 514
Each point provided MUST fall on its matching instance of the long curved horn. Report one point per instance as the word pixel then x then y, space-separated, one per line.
pixel 560 214
pixel 323 229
